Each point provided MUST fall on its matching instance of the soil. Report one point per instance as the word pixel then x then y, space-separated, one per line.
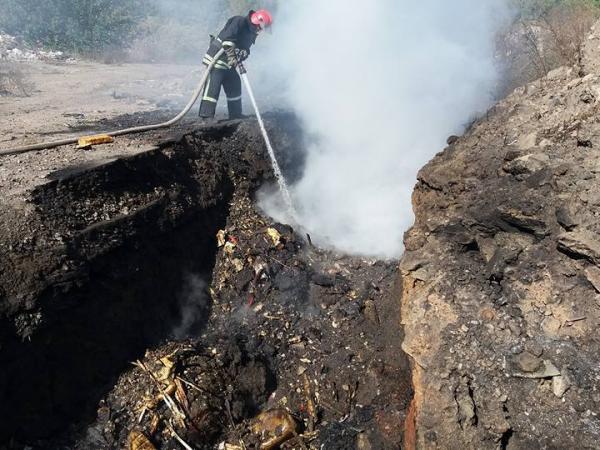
pixel 152 251
pixel 500 302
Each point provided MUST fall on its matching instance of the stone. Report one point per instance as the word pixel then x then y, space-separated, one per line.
pixel 516 349
pixel 560 385
pixel 527 141
pixel 545 370
pixel 452 140
pixel 534 348
pixel 581 243
pixel 523 221
pixel 565 216
pixel 370 312
pixel 527 164
pixel 487 248
pixel 528 362
pixel 592 274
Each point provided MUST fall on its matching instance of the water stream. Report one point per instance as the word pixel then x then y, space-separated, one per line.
pixel 285 193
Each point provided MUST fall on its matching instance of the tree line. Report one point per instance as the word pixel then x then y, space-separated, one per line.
pixel 94 27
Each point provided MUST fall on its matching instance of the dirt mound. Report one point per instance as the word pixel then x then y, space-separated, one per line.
pixel 500 302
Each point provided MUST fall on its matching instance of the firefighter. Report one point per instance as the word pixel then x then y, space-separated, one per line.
pixel 236 38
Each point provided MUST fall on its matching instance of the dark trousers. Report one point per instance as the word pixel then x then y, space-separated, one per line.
pixel 231 82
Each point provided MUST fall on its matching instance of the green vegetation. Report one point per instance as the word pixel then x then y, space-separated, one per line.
pixel 544 34
pixel 89 27
pixel 160 29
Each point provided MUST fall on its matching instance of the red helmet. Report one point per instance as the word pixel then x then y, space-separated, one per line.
pixel 262 18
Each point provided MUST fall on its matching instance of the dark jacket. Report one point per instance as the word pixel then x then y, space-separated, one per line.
pixel 239 32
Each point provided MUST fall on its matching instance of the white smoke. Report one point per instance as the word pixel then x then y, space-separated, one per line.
pixel 382 84
pixel 194 303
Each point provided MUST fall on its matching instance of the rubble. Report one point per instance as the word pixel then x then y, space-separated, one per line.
pixel 11 49
pixel 583 243
pixel 503 329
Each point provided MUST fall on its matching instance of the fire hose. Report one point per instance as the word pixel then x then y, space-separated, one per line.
pixel 140 129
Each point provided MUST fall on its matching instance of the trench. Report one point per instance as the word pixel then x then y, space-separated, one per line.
pixel 116 292
pixel 132 231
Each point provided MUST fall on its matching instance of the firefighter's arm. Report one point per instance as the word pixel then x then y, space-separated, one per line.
pixel 229 40
pixel 230 50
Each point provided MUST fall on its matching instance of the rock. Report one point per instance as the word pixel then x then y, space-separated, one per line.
pixel 466 409
pixel 534 348
pixel 524 221
pixel 412 262
pixel 546 370
pixel 560 385
pixel 527 164
pixel 414 240
pixel 370 312
pixel 565 216
pixel 583 243
pixel 527 141
pixel 516 349
pixel 592 274
pixel 526 178
pixel 452 140
pixel 528 362
pixel 487 248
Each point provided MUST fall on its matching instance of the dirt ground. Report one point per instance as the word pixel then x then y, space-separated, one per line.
pixel 81 98
pixel 294 346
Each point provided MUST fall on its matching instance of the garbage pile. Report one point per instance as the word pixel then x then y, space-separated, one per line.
pixel 301 351
pixel 11 49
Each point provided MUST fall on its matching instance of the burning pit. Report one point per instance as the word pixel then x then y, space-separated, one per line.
pixel 290 345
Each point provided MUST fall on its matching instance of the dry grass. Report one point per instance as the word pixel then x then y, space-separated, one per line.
pixel 530 48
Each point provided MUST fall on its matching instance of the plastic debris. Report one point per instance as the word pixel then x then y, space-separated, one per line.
pixel 229 248
pixel 274 428
pixel 221 238
pixel 139 441
pixel 88 141
pixel 275 236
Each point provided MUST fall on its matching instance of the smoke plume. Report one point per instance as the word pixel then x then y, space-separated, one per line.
pixel 381 84
pixel 194 302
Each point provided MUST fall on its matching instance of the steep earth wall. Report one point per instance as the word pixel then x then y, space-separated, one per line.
pixel 501 274
pixel 93 260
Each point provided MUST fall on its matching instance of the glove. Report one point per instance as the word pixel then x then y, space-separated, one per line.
pixel 231 56
pixel 242 54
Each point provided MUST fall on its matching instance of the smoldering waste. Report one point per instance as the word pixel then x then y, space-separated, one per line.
pixel 300 351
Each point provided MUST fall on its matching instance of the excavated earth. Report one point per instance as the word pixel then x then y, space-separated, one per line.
pixel 501 275
pixel 146 302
